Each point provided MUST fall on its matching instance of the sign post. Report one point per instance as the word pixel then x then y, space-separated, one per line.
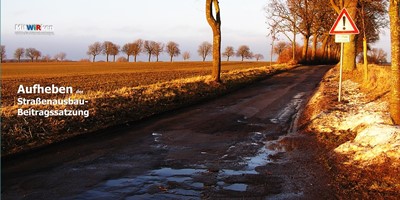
pixel 342 29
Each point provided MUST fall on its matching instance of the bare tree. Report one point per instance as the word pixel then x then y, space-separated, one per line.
pixel 46 58
pixel 57 57
pixel 94 50
pixel 158 49
pixel 215 24
pixel 370 19
pixel 31 53
pixel 305 12
pixel 186 55
pixel 204 50
pixel 114 51
pixel 128 50
pixel 394 12
pixel 244 52
pixel 229 52
pixel 60 56
pixel 137 48
pixel 280 47
pixel 107 48
pixel 19 53
pixel 2 53
pixel 258 56
pixel 322 23
pixel 172 49
pixel 377 55
pixel 283 20
pixel 148 47
pixel 37 54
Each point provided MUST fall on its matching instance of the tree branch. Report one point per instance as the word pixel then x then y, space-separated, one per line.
pixel 334 6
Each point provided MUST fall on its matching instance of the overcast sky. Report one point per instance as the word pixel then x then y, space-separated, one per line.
pixel 79 23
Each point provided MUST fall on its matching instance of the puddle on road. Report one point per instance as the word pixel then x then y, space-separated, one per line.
pixel 191 183
pixel 239 187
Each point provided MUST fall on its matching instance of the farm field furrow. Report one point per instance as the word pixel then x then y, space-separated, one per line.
pixel 89 77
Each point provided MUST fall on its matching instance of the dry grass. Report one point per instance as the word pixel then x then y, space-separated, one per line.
pixel 353 180
pixel 116 101
pixel 377 85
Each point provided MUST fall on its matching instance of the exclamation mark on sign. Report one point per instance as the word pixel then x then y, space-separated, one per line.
pixel 344 23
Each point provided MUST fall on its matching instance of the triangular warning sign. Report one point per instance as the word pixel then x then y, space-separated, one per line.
pixel 344 24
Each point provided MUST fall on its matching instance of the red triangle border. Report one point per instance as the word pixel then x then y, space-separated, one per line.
pixel 344 12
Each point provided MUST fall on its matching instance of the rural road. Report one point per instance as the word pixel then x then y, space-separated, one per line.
pixel 241 146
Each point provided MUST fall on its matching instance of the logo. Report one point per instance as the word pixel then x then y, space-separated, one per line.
pixel 34 29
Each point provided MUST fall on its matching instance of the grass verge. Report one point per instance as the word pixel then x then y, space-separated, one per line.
pixel 322 118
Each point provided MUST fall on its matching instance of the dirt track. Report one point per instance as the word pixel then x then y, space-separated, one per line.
pixel 243 145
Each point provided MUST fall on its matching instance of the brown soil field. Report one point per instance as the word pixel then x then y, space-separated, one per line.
pixel 102 76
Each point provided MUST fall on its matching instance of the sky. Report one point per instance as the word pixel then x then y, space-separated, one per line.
pixel 79 23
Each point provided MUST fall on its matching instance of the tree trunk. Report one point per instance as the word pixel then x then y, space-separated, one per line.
pixel 149 56
pixel 215 24
pixel 305 47
pixel 314 47
pixel 227 59
pixel 272 50
pixel 135 57
pixel 94 58
pixel 107 57
pixel 127 58
pixel 294 49
pixel 349 58
pixel 365 51
pixel 171 58
pixel 329 52
pixel 365 47
pixel 113 58
pixel 324 46
pixel 294 43
pixel 394 12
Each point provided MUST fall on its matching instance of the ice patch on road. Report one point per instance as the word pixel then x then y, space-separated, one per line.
pixel 290 109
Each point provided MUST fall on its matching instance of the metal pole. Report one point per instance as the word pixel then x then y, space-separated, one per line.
pixel 341 71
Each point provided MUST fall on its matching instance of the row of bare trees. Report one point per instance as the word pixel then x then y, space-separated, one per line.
pixel 155 49
pixel 243 52
pixel 32 54
pixel 151 48
pixel 205 49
